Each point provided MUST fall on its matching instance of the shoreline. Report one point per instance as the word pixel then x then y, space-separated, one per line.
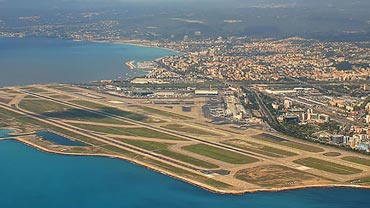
pixel 121 42
pixel 128 42
pixel 186 180
pixel 118 42
pixel 143 45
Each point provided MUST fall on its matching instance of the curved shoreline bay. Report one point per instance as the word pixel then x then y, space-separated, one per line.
pixel 44 60
pixel 31 178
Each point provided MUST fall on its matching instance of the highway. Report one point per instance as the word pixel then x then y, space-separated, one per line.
pixel 271 118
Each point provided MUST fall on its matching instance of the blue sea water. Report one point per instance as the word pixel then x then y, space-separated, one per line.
pixel 30 178
pixel 57 139
pixel 4 132
pixel 44 60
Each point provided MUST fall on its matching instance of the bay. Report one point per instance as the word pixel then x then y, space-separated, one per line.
pixel 26 61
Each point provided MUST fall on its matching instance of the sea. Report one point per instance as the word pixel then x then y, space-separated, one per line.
pixel 38 60
pixel 31 178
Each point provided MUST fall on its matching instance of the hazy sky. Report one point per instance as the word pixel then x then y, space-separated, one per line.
pixel 206 4
pixel 278 16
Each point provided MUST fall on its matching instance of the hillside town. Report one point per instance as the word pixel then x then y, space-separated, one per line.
pixel 272 60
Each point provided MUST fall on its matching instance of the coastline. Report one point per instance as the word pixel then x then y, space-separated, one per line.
pixel 190 181
pixel 130 42
pixel 115 73
pixel 121 42
pixel 134 43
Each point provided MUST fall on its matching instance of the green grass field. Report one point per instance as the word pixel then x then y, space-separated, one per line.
pixel 63 88
pixel 63 97
pixel 27 121
pixel 9 91
pixel 31 97
pixel 189 129
pixel 34 89
pixel 287 143
pixel 162 148
pixel 56 110
pixel 260 149
pixel 358 160
pixel 140 132
pixel 101 129
pixel 327 166
pixel 220 154
pixel 88 104
pixel 163 113
pixel 42 106
pixel 116 111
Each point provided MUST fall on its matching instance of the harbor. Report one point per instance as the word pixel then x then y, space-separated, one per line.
pixel 130 64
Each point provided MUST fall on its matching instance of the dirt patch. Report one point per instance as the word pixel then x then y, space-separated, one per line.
pixel 274 176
